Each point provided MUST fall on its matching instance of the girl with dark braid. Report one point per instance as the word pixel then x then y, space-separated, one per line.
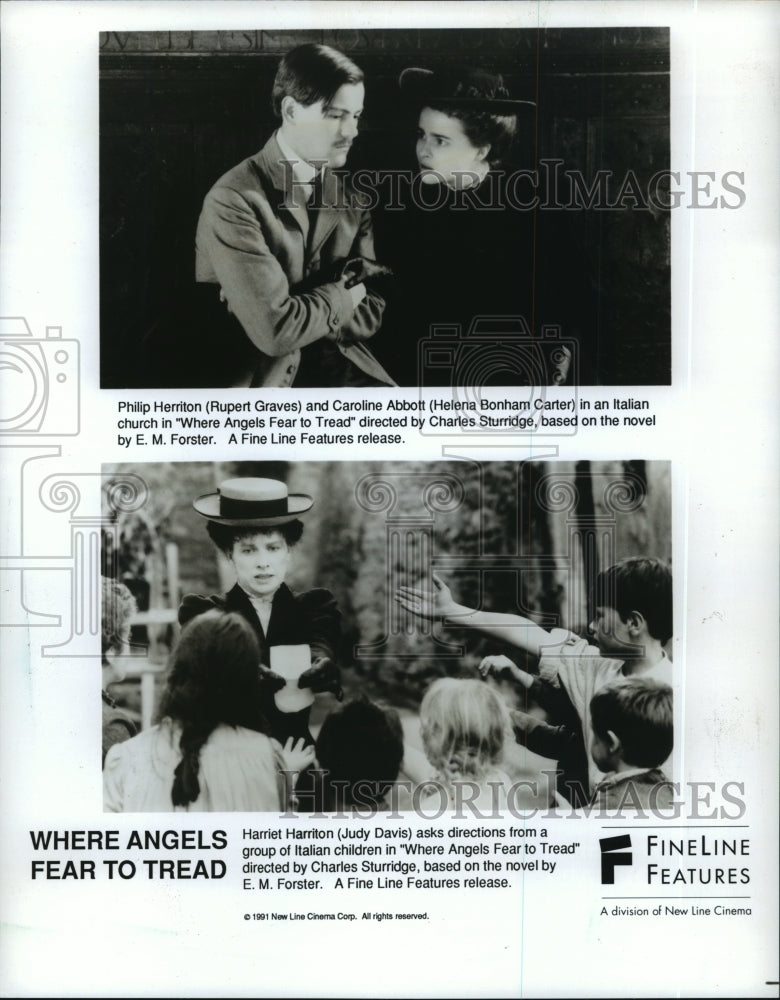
pixel 208 752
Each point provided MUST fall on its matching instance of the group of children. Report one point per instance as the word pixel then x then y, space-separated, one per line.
pixel 609 707
pixel 209 752
pixel 609 721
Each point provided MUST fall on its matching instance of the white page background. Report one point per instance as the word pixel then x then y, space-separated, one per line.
pixel 717 424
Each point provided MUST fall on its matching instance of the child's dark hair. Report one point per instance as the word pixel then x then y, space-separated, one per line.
pixel 482 129
pixel 311 73
pixel 643 585
pixel 213 679
pixel 225 536
pixel 640 713
pixel 361 747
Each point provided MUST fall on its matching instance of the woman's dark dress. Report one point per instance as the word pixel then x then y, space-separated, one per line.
pixel 311 617
pixel 489 276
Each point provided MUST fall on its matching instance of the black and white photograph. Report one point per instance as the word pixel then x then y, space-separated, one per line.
pixel 379 207
pixel 454 636
pixel 387 412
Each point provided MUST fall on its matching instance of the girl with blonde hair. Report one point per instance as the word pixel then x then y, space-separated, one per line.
pixel 464 726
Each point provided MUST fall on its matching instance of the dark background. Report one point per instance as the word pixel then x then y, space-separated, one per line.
pixel 178 109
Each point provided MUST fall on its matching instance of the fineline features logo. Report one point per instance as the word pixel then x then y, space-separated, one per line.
pixel 613 853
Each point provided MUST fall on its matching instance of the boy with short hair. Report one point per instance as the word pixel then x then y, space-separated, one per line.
pixel 632 724
pixel 632 624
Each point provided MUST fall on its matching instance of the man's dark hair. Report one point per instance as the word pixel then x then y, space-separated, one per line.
pixel 640 713
pixel 361 747
pixel 643 585
pixel 312 73
pixel 225 536
pixel 483 129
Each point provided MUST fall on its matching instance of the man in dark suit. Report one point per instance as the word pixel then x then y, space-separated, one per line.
pixel 276 232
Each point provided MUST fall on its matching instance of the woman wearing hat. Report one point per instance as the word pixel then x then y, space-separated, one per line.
pixel 463 248
pixel 255 523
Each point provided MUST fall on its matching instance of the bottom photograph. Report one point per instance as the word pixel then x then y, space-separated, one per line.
pixel 454 637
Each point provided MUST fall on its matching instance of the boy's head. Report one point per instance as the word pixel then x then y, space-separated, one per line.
pixel 318 95
pixel 633 602
pixel 633 724
pixel 363 745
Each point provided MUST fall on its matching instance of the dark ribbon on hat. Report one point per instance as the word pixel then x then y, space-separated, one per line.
pixel 230 507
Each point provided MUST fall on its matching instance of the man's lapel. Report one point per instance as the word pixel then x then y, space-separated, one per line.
pixel 272 164
pixel 327 217
pixel 290 198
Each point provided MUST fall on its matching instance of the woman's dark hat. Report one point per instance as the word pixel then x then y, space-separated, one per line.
pixel 252 503
pixel 473 89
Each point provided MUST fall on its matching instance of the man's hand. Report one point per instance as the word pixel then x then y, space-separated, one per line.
pixel 435 602
pixel 322 675
pixel 361 269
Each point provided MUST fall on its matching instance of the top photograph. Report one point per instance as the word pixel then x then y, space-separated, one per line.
pixel 385 207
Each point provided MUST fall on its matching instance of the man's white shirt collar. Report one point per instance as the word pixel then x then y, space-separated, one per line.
pixel 303 172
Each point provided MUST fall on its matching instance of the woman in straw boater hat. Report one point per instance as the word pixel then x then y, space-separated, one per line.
pixel 255 523
pixel 463 248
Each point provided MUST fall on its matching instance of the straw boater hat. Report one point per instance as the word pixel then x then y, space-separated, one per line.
pixel 474 89
pixel 252 502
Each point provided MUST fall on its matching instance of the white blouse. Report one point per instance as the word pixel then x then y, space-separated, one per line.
pixel 238 772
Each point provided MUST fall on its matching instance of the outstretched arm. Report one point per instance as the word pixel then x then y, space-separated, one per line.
pixel 437 602
pixel 501 666
pixel 553 742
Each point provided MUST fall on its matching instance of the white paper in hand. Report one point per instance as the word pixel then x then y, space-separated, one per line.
pixel 290 662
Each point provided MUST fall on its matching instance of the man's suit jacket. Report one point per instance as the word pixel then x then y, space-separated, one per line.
pixel 253 241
